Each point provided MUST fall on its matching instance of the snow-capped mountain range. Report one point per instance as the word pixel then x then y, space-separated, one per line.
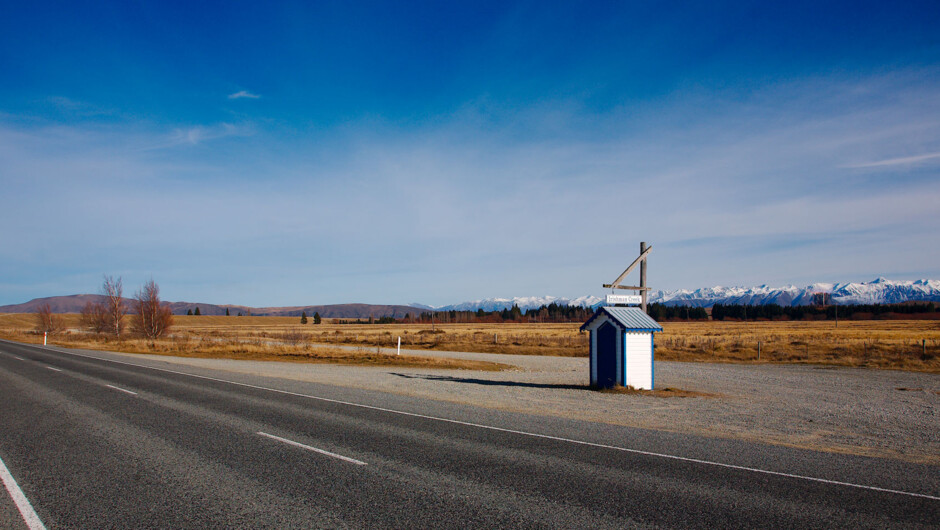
pixel 524 302
pixel 879 291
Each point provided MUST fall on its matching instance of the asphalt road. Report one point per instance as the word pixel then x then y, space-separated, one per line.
pixel 106 441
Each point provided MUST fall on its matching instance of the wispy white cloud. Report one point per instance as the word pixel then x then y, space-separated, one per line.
pixel 902 161
pixel 198 134
pixel 243 94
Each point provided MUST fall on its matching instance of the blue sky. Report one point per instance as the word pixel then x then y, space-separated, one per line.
pixel 400 152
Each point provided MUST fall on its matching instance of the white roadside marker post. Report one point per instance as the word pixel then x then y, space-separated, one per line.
pixel 399 346
pixel 44 336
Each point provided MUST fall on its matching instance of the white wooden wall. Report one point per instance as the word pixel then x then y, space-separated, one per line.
pixel 639 369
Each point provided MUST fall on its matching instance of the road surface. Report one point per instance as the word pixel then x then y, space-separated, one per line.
pixel 93 440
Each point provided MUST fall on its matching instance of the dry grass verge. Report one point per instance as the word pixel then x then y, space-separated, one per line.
pixel 254 351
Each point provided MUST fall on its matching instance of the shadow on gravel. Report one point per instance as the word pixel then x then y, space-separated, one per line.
pixel 488 382
pixel 658 393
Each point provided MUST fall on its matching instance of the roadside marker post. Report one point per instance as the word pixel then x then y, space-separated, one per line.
pixel 399 346
pixel 44 336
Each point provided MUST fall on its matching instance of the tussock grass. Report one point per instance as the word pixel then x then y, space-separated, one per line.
pixel 254 350
pixel 524 339
pixel 889 344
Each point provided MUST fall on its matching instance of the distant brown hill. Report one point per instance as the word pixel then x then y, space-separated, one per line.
pixel 74 304
pixel 59 304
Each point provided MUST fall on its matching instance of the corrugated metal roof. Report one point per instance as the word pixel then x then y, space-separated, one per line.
pixel 633 318
pixel 629 318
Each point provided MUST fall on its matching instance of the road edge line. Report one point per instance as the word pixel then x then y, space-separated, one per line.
pixel 19 498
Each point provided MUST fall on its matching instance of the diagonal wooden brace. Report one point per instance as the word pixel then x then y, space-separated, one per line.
pixel 616 283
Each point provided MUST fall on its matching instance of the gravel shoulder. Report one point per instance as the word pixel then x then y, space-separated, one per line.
pixel 882 413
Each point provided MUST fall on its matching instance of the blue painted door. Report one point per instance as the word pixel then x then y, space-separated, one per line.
pixel 606 355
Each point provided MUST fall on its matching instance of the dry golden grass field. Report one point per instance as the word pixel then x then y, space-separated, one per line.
pixel 893 344
pixel 254 338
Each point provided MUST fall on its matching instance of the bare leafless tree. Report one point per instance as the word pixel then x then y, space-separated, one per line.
pixel 95 317
pixel 114 305
pixel 46 321
pixel 151 318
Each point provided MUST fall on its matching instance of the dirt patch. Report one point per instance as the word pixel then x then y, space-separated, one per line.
pixel 657 392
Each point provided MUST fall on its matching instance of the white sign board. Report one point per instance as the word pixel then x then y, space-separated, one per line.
pixel 624 299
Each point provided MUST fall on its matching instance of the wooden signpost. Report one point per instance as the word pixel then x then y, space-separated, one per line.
pixel 642 288
pixel 621 338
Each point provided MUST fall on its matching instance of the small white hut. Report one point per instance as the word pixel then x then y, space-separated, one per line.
pixel 622 347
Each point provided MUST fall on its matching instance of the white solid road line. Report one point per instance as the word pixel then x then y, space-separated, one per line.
pixel 18 358
pixel 523 433
pixel 122 390
pixel 53 369
pixel 22 503
pixel 314 449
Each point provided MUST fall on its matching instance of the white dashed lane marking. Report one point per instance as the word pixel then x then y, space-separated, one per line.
pixel 121 390
pixel 314 449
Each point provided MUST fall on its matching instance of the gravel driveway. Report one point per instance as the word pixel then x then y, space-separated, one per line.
pixel 870 412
